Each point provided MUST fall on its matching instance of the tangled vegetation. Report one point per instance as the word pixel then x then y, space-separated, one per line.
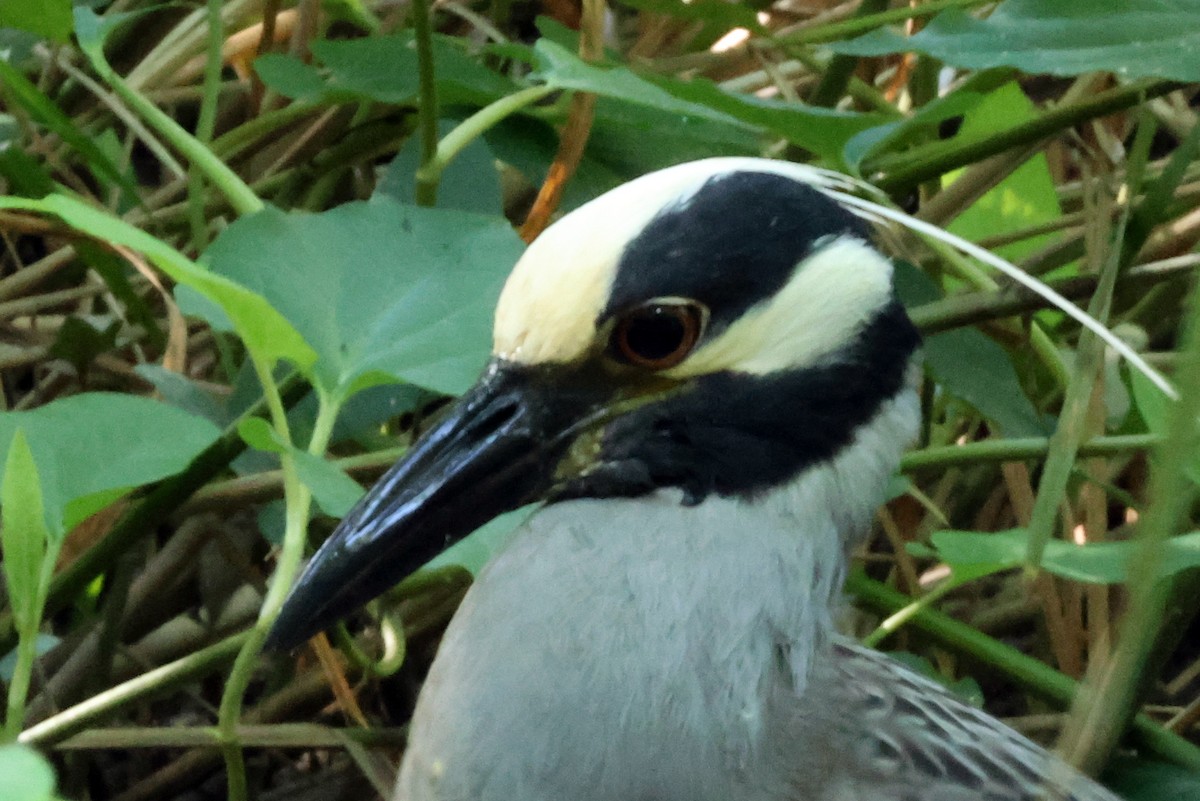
pixel 249 248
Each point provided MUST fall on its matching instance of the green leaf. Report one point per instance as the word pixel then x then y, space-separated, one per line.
pixel 1092 563
pixel 92 29
pixel 1152 403
pixel 190 396
pixel 1140 779
pixel 363 416
pixel 699 101
pixel 194 303
pixel 385 68
pixel 1153 406
pixel 1133 38
pixel 48 18
pixel 79 341
pixel 921 124
pixel 825 132
pixel 25 174
pixel 291 77
pixel 470 183
pixel 333 490
pixel 47 113
pixel 113 148
pixel 530 145
pixel 625 142
pixel 970 366
pixel 381 290
pixel 1025 198
pixel 26 774
pixel 258 433
pixel 382 68
pixel 93 447
pixel 272 521
pixel 354 12
pixel 23 530
pixel 261 327
pixel 974 368
pixel 561 68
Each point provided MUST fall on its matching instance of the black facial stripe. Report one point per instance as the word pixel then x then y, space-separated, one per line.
pixel 734 243
pixel 737 434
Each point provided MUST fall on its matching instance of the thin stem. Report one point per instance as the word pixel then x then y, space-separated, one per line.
pixel 891 624
pixel 426 189
pixel 240 196
pixel 205 123
pixel 231 143
pixel 1048 352
pixel 1112 684
pixel 297 499
pixel 121 112
pixel 328 407
pixel 852 27
pixel 955 259
pixel 98 707
pixel 1089 361
pixel 973 307
pixel 274 735
pixel 575 133
pixel 18 687
pixel 1018 449
pixel 259 487
pixel 841 67
pixel 905 170
pixel 474 126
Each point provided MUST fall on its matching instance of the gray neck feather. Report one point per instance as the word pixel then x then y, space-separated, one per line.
pixel 624 632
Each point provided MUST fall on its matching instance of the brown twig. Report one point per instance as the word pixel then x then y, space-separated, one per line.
pixel 575 132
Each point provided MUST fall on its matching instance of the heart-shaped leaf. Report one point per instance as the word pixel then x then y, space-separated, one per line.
pixel 90 449
pixel 380 289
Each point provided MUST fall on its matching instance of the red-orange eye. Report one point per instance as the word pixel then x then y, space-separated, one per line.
pixel 658 335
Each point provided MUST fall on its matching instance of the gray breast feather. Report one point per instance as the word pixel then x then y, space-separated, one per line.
pixel 621 652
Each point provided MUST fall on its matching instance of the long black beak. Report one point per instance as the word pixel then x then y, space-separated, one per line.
pixel 496 450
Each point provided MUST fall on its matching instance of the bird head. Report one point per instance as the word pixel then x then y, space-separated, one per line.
pixel 718 327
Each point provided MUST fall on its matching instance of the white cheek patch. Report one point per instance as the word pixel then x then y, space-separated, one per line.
pixel 831 295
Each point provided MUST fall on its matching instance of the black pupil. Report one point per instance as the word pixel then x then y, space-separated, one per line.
pixel 655 334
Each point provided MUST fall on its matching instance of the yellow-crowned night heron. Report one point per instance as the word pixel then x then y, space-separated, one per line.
pixel 706 378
